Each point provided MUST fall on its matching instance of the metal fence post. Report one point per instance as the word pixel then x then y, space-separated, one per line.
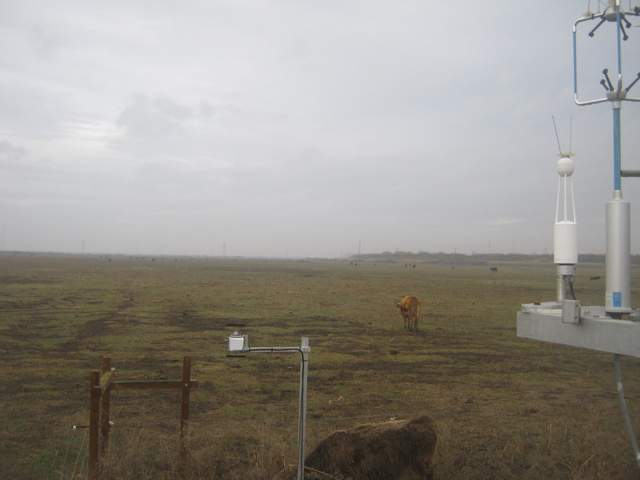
pixel 304 368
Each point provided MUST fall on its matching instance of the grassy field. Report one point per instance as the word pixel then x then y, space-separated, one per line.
pixel 504 407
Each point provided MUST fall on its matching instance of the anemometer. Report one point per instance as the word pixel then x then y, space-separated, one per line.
pixel 614 327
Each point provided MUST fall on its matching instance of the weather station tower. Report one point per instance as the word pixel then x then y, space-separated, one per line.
pixel 614 327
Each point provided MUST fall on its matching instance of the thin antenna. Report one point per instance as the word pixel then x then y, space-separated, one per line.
pixel 570 133
pixel 555 129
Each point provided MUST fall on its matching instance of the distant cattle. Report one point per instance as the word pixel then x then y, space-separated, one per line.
pixel 493 269
pixel 409 309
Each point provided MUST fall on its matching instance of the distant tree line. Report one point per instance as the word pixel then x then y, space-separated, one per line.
pixel 474 258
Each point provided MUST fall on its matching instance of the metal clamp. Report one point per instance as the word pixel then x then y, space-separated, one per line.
pixel 570 312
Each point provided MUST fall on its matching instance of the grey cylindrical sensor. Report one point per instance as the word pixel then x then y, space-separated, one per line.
pixel 618 219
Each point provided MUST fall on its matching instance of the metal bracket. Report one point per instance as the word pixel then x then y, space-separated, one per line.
pixel 617 93
pixel 595 330
pixel 571 312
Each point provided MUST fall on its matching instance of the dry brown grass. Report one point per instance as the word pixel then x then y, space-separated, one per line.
pixel 504 407
pixel 257 453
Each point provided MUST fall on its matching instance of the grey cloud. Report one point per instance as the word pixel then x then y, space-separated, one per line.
pixel 18 165
pixel 153 116
pixel 46 42
pixel 155 126
pixel 10 155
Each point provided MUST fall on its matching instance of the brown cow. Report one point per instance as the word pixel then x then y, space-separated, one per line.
pixel 409 309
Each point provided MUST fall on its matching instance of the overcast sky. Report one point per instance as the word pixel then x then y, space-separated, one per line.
pixel 298 128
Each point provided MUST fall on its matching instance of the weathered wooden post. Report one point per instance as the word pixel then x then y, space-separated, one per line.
pixel 105 405
pixel 184 412
pixel 186 390
pixel 102 381
pixel 94 425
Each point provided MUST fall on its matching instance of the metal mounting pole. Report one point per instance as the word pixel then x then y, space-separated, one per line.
pixel 617 154
pixel 239 344
pixel 623 406
pixel 302 415
pixel 618 218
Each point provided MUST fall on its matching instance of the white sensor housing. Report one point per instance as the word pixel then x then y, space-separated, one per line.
pixel 238 343
pixel 565 243
pixel 565 229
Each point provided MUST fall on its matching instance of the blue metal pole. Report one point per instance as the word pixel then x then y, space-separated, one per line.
pixel 617 160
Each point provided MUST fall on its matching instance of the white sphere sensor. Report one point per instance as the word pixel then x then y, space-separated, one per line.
pixel 565 166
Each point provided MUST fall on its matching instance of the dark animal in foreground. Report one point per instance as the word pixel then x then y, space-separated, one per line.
pixel 398 449
pixel 409 309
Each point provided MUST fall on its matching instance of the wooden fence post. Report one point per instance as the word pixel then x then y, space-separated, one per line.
pixel 105 409
pixel 100 384
pixel 94 425
pixel 184 413
pixel 186 390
